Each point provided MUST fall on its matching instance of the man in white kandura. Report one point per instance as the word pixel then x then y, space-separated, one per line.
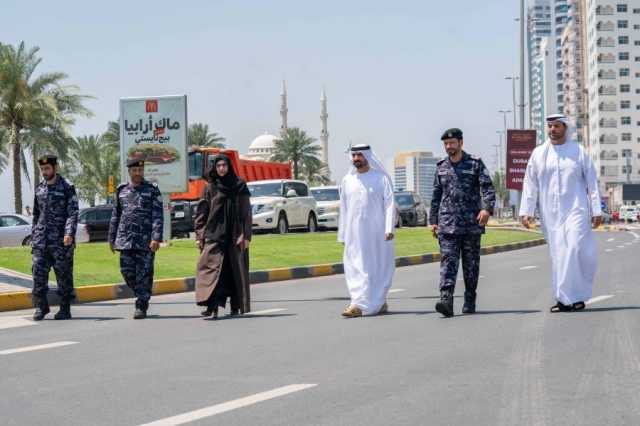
pixel 367 218
pixel 561 180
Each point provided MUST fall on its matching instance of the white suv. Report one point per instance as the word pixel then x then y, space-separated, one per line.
pixel 279 205
pixel 328 198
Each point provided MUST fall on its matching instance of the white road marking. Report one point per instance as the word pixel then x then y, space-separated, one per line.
pixel 611 239
pixel 11 322
pixel 36 348
pixel 481 276
pixel 267 311
pixel 599 299
pixel 636 236
pixel 627 244
pixel 620 246
pixel 396 290
pixel 608 250
pixel 524 268
pixel 229 406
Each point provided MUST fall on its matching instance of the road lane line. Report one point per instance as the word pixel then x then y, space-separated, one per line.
pixel 13 321
pixel 599 299
pixel 396 290
pixel 267 311
pixel 36 348
pixel 608 250
pixel 229 406
pixel 611 239
pixel 524 268
pixel 636 236
pixel 620 246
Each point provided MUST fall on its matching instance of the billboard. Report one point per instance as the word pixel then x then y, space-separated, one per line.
pixel 154 129
pixel 520 145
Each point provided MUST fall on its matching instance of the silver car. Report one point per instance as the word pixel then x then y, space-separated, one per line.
pixel 15 230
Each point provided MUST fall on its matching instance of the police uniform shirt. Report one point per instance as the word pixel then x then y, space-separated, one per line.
pixel 460 191
pixel 137 217
pixel 55 213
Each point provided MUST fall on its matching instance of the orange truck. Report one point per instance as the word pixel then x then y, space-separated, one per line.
pixel 183 205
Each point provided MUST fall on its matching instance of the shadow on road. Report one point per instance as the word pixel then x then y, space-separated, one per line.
pixel 612 308
pixel 248 316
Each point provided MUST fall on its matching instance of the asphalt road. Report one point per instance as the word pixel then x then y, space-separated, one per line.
pixel 296 361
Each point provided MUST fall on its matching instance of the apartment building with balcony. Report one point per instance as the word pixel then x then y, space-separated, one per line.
pixel 613 82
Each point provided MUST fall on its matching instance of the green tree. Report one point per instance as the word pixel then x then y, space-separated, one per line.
pixel 92 159
pixel 4 149
pixel 297 147
pixel 499 183
pixel 315 171
pixel 37 112
pixel 199 135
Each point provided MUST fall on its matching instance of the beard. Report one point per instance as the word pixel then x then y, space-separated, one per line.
pixel 360 164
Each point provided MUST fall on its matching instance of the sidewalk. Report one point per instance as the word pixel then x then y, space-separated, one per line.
pixel 12 281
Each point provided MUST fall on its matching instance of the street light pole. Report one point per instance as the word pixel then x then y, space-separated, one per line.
pixel 522 53
pixel 500 133
pixel 513 80
pixel 504 117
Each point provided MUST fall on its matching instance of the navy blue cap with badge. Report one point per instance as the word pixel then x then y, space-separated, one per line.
pixel 48 159
pixel 453 133
pixel 135 163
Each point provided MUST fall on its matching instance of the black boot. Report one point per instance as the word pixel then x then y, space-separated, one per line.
pixel 469 304
pixel 445 305
pixel 42 309
pixel 141 310
pixel 65 311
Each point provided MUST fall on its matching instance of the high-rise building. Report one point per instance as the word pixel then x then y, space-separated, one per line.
pixel 414 171
pixel 559 18
pixel 538 27
pixel 613 40
pixel 548 67
pixel 574 67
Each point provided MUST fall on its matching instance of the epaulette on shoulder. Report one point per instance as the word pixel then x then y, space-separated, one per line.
pixel 122 185
pixel 475 157
pixel 441 161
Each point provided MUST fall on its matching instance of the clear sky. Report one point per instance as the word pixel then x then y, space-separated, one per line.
pixel 396 73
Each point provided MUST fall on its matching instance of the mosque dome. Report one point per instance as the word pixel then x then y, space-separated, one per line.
pixel 263 146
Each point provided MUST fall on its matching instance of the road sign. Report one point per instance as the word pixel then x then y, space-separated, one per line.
pixel 520 145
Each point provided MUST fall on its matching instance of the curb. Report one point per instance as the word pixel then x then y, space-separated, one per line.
pixel 96 293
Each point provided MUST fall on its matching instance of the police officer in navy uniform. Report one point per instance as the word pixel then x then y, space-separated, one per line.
pixel 53 230
pixel 463 200
pixel 136 232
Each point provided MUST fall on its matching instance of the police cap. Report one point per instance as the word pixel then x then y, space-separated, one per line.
pixel 135 163
pixel 453 133
pixel 48 159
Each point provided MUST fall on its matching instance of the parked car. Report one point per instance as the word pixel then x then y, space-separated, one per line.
pixel 96 219
pixel 328 199
pixel 15 230
pixel 282 204
pixel 629 213
pixel 412 210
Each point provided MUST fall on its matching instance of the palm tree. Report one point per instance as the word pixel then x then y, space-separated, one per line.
pixel 499 183
pixel 4 150
pixel 297 147
pixel 92 160
pixel 35 111
pixel 199 135
pixel 314 172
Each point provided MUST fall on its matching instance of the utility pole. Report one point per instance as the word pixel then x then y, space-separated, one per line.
pixel 522 54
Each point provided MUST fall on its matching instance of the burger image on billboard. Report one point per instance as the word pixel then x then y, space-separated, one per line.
pixel 154 153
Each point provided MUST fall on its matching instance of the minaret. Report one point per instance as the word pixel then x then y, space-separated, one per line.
pixel 324 133
pixel 283 110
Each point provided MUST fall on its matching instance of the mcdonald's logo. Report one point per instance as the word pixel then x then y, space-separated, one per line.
pixel 152 105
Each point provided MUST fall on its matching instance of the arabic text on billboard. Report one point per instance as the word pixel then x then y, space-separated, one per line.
pixel 520 145
pixel 155 130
